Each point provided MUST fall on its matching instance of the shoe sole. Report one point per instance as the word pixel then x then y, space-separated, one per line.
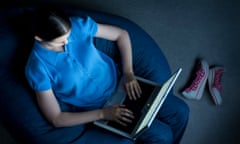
pixel 215 95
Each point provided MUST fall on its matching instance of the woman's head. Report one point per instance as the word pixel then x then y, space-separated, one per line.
pixel 51 24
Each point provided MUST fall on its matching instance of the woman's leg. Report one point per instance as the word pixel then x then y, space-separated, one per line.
pixel 95 135
pixel 170 123
pixel 175 113
pixel 158 133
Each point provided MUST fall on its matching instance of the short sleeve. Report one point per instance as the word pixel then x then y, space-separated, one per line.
pixel 37 76
pixel 84 25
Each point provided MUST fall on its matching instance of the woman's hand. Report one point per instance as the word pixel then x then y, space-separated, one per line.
pixel 131 86
pixel 118 113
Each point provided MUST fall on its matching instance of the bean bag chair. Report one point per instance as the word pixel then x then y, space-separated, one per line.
pixel 18 109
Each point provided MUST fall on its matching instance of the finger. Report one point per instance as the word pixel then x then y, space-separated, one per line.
pixel 132 91
pixel 138 90
pixel 124 119
pixel 128 91
pixel 120 122
pixel 127 113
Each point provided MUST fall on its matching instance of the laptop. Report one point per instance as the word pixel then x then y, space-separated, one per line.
pixel 144 108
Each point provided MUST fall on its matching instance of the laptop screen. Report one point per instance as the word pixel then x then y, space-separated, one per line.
pixel 156 103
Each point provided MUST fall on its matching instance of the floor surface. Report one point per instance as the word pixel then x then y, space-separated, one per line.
pixel 187 30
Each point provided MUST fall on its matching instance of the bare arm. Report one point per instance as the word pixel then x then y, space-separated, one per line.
pixel 123 41
pixel 122 38
pixel 50 108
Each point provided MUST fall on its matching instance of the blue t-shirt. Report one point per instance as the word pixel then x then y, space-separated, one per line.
pixel 81 75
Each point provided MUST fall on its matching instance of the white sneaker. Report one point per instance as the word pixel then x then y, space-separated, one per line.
pixel 214 84
pixel 195 90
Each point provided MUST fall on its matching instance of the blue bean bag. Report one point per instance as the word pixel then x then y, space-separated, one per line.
pixel 18 109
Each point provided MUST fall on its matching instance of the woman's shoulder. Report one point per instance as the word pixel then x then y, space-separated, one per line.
pixel 83 24
pixel 34 62
pixel 79 19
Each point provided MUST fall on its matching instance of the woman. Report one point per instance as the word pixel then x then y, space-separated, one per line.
pixel 65 66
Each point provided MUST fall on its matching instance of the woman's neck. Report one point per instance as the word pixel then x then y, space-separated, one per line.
pixel 53 48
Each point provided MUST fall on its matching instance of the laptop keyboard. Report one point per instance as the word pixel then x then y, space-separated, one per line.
pixel 138 107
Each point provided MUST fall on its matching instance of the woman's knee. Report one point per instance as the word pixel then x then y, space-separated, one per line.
pixel 158 133
pixel 174 109
pixel 183 111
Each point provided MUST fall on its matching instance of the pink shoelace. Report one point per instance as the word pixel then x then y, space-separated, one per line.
pixel 217 79
pixel 200 74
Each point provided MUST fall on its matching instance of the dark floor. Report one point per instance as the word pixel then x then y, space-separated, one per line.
pixel 186 30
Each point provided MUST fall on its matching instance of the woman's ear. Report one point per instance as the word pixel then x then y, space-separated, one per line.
pixel 38 38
